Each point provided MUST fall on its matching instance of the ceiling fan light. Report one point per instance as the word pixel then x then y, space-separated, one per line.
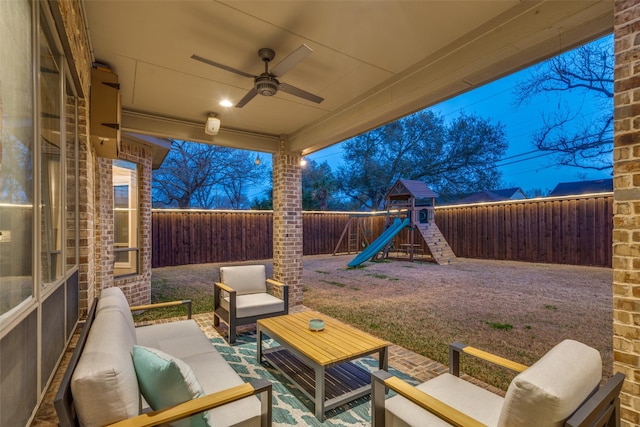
pixel 266 85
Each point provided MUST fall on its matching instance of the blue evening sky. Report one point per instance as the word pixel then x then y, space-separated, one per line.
pixel 496 101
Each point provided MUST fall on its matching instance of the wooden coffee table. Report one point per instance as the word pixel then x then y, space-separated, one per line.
pixel 319 362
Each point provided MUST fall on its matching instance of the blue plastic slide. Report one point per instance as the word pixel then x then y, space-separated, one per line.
pixel 378 244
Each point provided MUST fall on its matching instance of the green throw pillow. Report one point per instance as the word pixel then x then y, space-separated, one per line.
pixel 165 381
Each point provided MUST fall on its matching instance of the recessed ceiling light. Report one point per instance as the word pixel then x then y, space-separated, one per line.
pixel 226 103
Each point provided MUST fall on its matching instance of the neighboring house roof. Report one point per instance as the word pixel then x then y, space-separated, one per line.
pixel 582 187
pixel 514 193
pixel 482 196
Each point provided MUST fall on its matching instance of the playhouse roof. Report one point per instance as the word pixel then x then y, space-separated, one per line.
pixel 405 188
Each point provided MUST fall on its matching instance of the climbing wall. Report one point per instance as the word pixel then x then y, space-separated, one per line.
pixel 437 244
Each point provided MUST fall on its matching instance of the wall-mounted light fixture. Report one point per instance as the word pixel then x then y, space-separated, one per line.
pixel 303 162
pixel 212 127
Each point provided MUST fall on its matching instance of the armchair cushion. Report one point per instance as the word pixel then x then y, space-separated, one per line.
pixel 166 381
pixel 250 305
pixel 245 279
pixel 478 403
pixel 549 391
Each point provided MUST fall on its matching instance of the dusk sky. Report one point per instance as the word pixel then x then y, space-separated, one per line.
pixel 496 101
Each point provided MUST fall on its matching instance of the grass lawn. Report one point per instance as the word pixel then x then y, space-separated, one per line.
pixel 516 310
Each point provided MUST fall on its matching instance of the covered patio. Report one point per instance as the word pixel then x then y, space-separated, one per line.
pixel 395 291
pixel 371 64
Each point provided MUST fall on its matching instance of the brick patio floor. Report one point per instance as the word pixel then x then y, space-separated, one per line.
pixel 418 367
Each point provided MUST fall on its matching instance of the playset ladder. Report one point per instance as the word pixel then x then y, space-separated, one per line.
pixel 354 233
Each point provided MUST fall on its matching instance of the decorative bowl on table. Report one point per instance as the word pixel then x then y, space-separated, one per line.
pixel 316 325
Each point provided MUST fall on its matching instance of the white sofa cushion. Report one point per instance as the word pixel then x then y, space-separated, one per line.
pixel 182 338
pixel 104 384
pixel 185 340
pixel 166 381
pixel 215 374
pixel 244 279
pixel 549 391
pixel 474 401
pixel 114 299
pixel 254 305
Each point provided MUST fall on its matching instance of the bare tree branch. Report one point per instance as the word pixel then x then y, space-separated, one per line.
pixel 572 138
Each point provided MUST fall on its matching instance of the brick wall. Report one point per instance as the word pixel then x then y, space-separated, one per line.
pixel 104 224
pixel 95 203
pixel 86 212
pixel 137 287
pixel 70 22
pixel 626 232
pixel 287 222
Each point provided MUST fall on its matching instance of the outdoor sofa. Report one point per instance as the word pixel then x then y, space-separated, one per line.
pixel 114 362
pixel 563 388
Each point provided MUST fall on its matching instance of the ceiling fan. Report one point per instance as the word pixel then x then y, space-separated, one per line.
pixel 267 83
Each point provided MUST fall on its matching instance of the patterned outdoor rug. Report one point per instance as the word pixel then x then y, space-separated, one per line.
pixel 291 407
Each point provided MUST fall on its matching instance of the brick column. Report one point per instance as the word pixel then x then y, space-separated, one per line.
pixel 104 224
pixel 136 287
pixel 626 221
pixel 287 222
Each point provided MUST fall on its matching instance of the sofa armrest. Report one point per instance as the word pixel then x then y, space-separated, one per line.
pixel 456 348
pixel 186 302
pixel 382 379
pixel 205 403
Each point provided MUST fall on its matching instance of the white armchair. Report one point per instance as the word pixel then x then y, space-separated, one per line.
pixel 561 389
pixel 241 297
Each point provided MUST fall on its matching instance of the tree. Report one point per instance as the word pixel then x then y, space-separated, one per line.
pixel 16 174
pixel 579 80
pixel 452 158
pixel 263 204
pixel 204 176
pixel 462 159
pixel 318 185
pixel 242 172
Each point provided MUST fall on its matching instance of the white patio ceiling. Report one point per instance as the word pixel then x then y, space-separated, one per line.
pixel 372 61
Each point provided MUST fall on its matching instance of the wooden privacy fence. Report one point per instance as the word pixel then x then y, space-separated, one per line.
pixel 570 230
pixel 182 237
pixel 567 230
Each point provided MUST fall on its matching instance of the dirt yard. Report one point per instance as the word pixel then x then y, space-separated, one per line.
pixel 518 310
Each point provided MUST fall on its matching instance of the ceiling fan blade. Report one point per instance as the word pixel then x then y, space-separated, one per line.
pixel 291 61
pixel 292 90
pixel 248 97
pixel 224 67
